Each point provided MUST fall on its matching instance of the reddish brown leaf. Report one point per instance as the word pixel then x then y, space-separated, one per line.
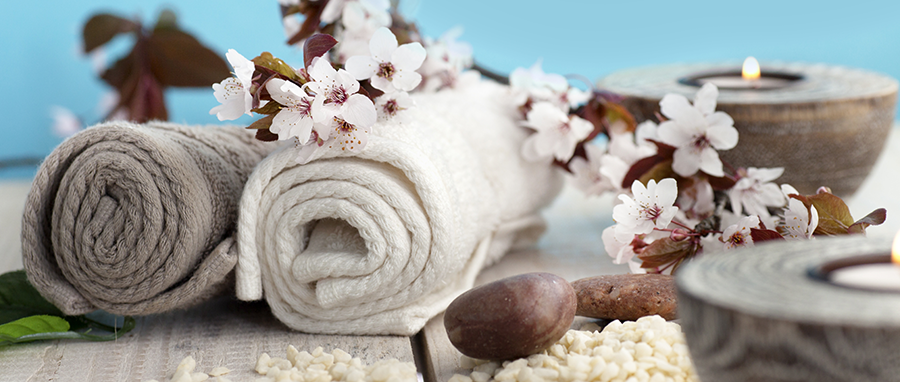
pixel 760 235
pixel 658 172
pixel 265 135
pixel 723 183
pixel 313 13
pixel 178 59
pixel 666 251
pixel 316 46
pixel 268 108
pixel 873 218
pixel 102 28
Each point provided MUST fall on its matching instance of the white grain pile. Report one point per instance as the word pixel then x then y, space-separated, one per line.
pixel 649 349
pixel 185 373
pixel 335 366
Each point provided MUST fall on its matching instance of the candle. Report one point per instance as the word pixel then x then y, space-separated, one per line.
pixel 749 77
pixel 872 272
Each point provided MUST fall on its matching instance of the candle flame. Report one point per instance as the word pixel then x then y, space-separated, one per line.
pixel 750 71
pixel 895 250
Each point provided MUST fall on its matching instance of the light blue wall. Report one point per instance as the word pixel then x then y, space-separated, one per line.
pixel 41 65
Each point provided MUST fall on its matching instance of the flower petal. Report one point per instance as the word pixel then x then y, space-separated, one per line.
pixel 243 68
pixel 361 67
pixel 710 162
pixel 685 162
pixel 676 107
pixel 382 44
pixel 666 192
pixel 359 111
pixel 382 84
pixel 544 116
pixel 705 100
pixel 283 92
pixel 672 133
pixel 722 137
pixel 321 71
pixel 408 56
pixel 406 80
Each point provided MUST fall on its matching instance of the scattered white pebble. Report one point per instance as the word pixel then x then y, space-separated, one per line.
pixel 338 365
pixel 649 349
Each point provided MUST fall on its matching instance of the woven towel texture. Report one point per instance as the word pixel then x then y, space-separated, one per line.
pixel 381 242
pixel 137 219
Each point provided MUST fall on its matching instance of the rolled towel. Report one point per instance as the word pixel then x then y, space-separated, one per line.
pixel 137 219
pixel 381 242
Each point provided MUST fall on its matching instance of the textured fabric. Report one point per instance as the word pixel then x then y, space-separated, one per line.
pixel 381 242
pixel 137 219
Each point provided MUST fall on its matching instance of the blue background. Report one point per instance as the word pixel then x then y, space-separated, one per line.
pixel 42 66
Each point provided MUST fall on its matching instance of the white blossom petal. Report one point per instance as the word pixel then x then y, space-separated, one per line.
pixel 382 44
pixel 359 110
pixel 406 80
pixel 676 107
pixel 710 162
pixel 684 162
pixel 361 67
pixel 243 68
pixel 408 56
pixel 705 99
pixel 671 133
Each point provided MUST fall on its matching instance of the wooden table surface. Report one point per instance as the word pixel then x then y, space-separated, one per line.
pixel 230 333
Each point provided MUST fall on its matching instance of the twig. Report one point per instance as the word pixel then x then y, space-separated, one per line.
pixel 490 74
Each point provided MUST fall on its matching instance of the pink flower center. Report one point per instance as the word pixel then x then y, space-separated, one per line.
pixel 303 107
pixel 737 239
pixel 651 212
pixel 386 70
pixel 700 143
pixel 338 95
pixel 391 108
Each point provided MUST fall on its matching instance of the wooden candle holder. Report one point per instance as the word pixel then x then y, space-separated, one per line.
pixel 756 314
pixel 825 130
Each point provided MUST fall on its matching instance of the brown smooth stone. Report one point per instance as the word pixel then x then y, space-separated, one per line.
pixel 511 318
pixel 626 297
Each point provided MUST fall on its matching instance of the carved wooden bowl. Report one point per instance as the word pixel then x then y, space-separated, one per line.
pixel 756 314
pixel 826 129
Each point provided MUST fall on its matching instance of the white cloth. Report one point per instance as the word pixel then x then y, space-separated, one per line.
pixel 382 242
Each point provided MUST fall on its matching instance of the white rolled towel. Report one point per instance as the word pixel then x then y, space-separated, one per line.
pixel 381 242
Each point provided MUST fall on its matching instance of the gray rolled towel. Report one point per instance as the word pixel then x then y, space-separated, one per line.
pixel 137 219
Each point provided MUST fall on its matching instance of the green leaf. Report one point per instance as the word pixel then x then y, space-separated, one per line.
pixel 873 218
pixel 19 330
pixel 19 299
pixel 262 123
pixel 267 60
pixel 178 59
pixel 268 108
pixel 834 215
pixel 102 28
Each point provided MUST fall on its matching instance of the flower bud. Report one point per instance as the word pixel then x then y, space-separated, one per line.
pixel 823 190
pixel 678 234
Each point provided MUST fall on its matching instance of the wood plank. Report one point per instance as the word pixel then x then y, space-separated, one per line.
pixel 221 332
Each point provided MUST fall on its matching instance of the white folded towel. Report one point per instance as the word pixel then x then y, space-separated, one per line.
pixel 381 242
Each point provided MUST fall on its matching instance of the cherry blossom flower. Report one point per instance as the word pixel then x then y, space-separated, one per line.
pixel 557 133
pixel 389 68
pixel 587 176
pixel 621 252
pixel 738 235
pixel 298 114
pixel 445 61
pixel 652 207
pixel 338 8
pixel 799 222
pixel 696 131
pixel 533 85
pixel 533 82
pixel 340 98
pixel 754 191
pixel 391 105
pixel 696 202
pixel 65 122
pixel 234 92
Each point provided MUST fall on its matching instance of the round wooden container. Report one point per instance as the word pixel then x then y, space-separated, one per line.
pixel 826 129
pixel 756 314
